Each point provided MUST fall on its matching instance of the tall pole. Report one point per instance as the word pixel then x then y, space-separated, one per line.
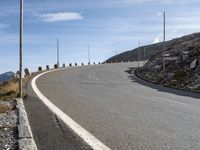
pixel 57 52
pixel 144 55
pixel 116 56
pixel 164 42
pixel 89 54
pixel 139 55
pixel 21 49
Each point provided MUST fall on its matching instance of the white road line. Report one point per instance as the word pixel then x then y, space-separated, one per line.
pixel 92 141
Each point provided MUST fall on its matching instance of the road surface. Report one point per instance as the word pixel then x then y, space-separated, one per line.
pixel 121 111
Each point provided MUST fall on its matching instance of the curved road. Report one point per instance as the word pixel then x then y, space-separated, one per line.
pixel 124 112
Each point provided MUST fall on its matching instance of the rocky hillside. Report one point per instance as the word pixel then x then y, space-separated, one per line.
pixel 182 59
pixel 133 55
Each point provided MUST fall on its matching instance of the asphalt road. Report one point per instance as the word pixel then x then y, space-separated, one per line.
pixel 124 112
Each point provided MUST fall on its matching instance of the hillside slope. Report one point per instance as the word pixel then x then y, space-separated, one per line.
pixel 182 59
pixel 143 53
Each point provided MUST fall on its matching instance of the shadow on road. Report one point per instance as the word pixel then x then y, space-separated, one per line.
pixel 160 87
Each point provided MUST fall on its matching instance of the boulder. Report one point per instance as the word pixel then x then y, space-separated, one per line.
pixel 27 71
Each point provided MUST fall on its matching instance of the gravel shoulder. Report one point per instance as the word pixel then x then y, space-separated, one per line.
pixel 8 125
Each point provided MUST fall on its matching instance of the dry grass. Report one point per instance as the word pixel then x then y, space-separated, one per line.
pixel 9 90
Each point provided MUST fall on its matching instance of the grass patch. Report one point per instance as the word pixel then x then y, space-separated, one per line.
pixel 9 90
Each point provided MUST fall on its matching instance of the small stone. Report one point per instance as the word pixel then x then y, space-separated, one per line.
pixel 193 64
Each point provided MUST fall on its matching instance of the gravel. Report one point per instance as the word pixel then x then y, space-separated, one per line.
pixel 8 127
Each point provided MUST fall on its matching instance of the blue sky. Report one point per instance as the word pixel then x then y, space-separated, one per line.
pixel 106 25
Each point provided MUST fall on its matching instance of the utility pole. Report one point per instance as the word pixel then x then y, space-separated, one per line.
pixel 21 49
pixel 164 42
pixel 88 54
pixel 58 53
pixel 139 55
pixel 116 56
pixel 144 56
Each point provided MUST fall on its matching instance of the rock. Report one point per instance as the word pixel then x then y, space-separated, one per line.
pixel 193 64
pixel 157 67
pixel 169 76
pixel 27 71
pixel 172 58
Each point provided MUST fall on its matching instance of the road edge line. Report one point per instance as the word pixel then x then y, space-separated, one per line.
pixel 87 137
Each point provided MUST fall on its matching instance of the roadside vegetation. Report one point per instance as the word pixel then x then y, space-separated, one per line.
pixel 9 90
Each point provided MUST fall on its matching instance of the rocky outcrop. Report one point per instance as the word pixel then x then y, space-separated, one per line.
pixel 182 64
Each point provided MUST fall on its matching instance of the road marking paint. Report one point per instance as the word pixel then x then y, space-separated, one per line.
pixel 92 141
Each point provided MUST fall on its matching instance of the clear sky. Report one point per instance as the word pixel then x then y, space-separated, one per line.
pixel 106 25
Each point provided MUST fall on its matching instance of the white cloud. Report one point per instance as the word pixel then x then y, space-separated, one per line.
pixel 156 40
pixel 60 16
pixel 4 26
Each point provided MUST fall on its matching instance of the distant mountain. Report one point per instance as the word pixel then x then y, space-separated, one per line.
pixel 6 76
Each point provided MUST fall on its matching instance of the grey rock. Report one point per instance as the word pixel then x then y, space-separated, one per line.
pixel 193 64
pixel 27 71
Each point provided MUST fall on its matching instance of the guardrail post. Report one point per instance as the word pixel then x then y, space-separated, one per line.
pixel 55 66
pixel 39 68
pixel 47 67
